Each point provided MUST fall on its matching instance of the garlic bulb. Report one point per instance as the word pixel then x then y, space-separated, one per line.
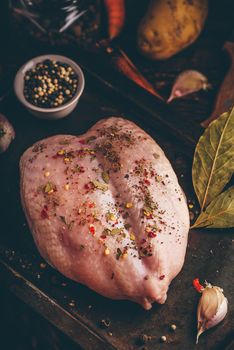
pixel 7 133
pixel 212 308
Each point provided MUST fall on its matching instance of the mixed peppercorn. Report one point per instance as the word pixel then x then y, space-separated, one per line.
pixel 50 84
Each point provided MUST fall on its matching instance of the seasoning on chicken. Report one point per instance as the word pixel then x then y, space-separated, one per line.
pixel 106 210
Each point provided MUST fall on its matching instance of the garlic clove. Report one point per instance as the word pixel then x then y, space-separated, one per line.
pixel 188 82
pixel 212 308
pixel 220 314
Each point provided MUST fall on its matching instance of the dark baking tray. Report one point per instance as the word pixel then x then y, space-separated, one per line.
pixel 73 308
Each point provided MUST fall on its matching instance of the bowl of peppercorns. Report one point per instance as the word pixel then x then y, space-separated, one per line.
pixel 49 86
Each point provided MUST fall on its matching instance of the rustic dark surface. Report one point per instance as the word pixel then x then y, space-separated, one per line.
pixel 73 308
pixel 24 329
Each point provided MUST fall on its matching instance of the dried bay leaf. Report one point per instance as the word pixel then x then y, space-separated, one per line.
pixel 213 162
pixel 219 213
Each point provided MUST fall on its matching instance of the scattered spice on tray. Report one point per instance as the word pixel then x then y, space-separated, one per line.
pixel 163 338
pixel 105 323
pixel 144 338
pixel 173 327
pixel 50 84
pixel 42 265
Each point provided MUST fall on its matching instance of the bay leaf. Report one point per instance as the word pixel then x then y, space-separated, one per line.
pixel 213 162
pixel 219 213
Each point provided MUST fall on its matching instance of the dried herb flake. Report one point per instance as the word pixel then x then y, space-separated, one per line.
pixel 116 231
pixel 64 142
pixel 49 188
pixel 105 177
pixel 118 253
pixel 100 186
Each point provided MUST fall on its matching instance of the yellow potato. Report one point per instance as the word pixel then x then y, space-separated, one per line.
pixel 171 25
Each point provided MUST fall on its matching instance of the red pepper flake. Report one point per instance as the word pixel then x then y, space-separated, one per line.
pixel 89 186
pixel 92 229
pixel 82 142
pixel 162 222
pixel 143 241
pixel 91 205
pixel 103 236
pixel 44 214
pixel 197 285
pixel 147 182
pixel 78 169
pixel 59 154
pixel 152 234
pixel 81 153
pixel 162 277
pixel 149 215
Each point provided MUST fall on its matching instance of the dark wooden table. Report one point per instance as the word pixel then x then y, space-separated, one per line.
pixel 73 308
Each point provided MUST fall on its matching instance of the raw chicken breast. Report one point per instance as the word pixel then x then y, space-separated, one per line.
pixel 106 210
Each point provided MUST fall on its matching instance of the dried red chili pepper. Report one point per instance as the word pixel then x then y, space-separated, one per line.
pixel 197 285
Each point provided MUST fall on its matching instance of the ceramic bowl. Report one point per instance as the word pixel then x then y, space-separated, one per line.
pixel 49 113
